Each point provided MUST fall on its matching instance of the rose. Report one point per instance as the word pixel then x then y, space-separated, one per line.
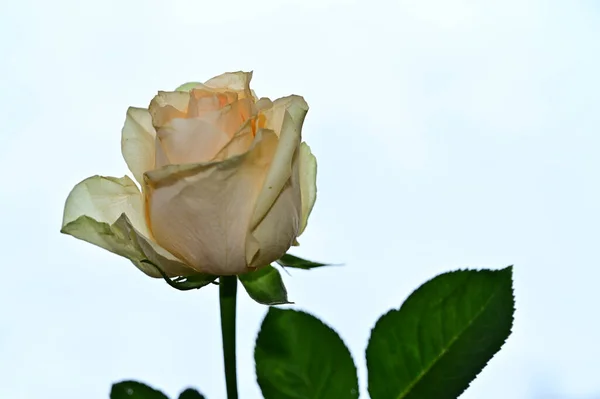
pixel 227 184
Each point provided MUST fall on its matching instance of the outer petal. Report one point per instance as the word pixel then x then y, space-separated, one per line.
pixel 238 82
pixel 167 105
pixel 201 213
pixel 232 81
pixel 279 228
pixel 293 105
pixel 137 142
pixel 108 212
pixel 291 112
pixel 308 183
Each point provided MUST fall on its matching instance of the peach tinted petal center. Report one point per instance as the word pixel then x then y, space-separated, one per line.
pixel 185 141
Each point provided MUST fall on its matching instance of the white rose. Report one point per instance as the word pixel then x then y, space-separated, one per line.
pixel 227 184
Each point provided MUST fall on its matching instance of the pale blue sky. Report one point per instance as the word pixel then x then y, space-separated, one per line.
pixel 449 134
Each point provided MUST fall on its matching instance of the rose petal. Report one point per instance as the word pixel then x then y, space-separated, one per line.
pixel 108 212
pixel 308 183
pixel 294 105
pixel 278 230
pixel 105 199
pixel 137 142
pixel 264 104
pixel 204 101
pixel 292 109
pixel 231 117
pixel 232 81
pixel 202 212
pixel 239 144
pixel 168 105
pixel 188 141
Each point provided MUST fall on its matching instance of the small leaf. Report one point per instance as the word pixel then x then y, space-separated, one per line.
pixel 288 260
pixel 265 286
pixel 191 393
pixel 184 283
pixel 442 337
pixel 299 357
pixel 134 390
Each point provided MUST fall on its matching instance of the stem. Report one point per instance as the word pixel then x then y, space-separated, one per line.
pixel 227 297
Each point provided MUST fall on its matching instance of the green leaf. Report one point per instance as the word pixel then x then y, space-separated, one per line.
pixel 185 283
pixel 134 390
pixel 442 337
pixel 191 394
pixel 299 357
pixel 265 286
pixel 288 260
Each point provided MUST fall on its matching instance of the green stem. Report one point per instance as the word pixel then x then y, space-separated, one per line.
pixel 227 297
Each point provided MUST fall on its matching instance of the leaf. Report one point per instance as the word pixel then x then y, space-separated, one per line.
pixel 288 260
pixel 442 337
pixel 185 283
pixel 191 393
pixel 299 357
pixel 134 390
pixel 265 286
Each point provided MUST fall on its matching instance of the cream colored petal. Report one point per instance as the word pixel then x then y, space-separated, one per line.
pixel 167 105
pixel 294 105
pixel 189 87
pixel 108 212
pixel 278 230
pixel 201 213
pixel 264 104
pixel 231 117
pixel 238 82
pixel 289 131
pixel 206 101
pixel 105 199
pixel 137 142
pixel 232 81
pixel 188 141
pixel 239 144
pixel 308 183
pixel 161 158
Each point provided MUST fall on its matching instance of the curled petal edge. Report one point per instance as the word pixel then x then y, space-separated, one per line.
pixel 122 239
pixel 308 183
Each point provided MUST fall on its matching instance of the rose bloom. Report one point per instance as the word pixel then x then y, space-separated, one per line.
pixel 226 182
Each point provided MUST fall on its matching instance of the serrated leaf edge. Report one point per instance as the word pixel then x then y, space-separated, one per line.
pixel 457 336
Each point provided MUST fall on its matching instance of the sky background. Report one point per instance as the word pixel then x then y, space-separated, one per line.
pixel 449 134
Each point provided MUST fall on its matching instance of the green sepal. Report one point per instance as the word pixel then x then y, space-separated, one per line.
pixel 288 260
pixel 188 86
pixel 265 286
pixel 185 283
